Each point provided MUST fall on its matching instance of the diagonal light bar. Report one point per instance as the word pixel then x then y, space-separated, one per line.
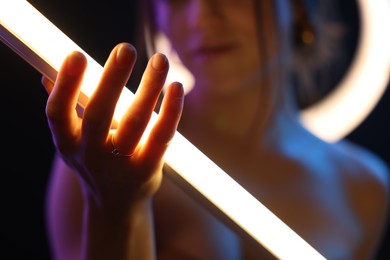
pixel 25 30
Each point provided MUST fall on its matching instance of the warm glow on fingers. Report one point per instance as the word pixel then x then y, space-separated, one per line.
pixel 44 46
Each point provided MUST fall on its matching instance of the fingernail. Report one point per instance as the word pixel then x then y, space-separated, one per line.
pixel 177 89
pixel 75 63
pixel 125 55
pixel 159 62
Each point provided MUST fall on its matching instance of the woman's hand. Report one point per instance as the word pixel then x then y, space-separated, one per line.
pixel 114 168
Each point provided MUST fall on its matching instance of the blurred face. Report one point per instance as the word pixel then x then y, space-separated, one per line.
pixel 217 40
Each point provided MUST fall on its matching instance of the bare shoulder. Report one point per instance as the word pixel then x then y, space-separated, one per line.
pixel 353 186
pixel 366 178
pixel 362 165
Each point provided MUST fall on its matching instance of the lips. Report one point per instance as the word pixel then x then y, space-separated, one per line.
pixel 215 51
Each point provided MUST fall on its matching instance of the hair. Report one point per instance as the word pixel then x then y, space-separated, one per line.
pixel 146 27
pixel 323 41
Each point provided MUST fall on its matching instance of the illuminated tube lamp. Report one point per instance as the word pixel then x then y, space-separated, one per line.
pixel 25 30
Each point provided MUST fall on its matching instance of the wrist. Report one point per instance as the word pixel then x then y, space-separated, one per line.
pixel 112 233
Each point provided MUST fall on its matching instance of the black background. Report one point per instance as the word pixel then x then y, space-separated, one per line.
pixel 27 147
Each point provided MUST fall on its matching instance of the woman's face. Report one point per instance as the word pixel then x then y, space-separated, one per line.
pixel 217 40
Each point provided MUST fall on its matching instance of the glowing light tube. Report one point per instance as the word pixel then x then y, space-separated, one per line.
pixel 25 30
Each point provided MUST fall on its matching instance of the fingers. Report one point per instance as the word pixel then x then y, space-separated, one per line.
pixel 47 83
pixel 101 105
pixel 133 124
pixel 60 107
pixel 165 126
pixel 99 110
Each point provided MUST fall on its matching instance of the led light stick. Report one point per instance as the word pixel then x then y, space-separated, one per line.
pixel 25 30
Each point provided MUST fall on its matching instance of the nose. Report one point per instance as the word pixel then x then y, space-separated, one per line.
pixel 203 13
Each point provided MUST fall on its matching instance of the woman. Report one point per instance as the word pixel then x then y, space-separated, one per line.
pixel 108 198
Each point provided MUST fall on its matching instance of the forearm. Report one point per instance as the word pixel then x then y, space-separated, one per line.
pixel 130 236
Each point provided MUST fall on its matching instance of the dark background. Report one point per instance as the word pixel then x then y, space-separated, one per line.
pixel 27 148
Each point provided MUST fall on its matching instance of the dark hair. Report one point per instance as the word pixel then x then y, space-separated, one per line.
pixel 325 34
pixel 146 28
